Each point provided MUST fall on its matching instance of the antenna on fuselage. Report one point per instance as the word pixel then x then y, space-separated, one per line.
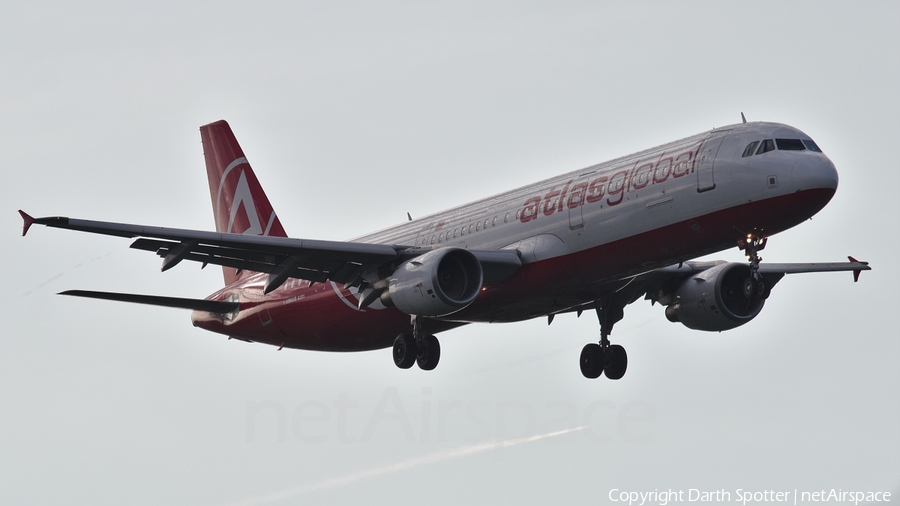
pixel 409 216
pixel 743 118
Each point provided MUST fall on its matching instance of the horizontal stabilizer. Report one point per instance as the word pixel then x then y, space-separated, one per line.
pixel 212 306
pixel 29 220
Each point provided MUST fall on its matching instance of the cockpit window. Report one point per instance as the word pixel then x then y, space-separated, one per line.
pixel 812 146
pixel 790 144
pixel 766 146
pixel 749 149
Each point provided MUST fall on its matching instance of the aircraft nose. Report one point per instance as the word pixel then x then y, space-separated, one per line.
pixel 815 173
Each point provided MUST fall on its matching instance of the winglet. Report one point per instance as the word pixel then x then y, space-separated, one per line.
pixel 29 220
pixel 857 271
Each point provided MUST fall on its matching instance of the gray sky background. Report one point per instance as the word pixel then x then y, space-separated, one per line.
pixel 353 114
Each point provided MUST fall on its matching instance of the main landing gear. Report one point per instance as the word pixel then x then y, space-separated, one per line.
pixel 417 348
pixel 611 359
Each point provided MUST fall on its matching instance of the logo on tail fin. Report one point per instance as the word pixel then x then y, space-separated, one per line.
pixel 242 197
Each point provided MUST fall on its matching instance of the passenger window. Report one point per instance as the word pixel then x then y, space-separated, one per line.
pixel 766 146
pixel 494 223
pixel 478 226
pixel 812 146
pixel 455 232
pixel 506 218
pixel 750 148
pixel 790 144
pixel 470 228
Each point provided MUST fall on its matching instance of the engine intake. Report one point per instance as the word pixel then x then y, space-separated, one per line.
pixel 437 283
pixel 720 298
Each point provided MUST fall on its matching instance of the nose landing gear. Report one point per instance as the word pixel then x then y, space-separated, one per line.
pixel 754 286
pixel 750 245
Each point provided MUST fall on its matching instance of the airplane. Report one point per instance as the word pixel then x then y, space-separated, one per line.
pixel 594 239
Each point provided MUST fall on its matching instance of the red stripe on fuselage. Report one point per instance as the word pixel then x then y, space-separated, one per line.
pixel 315 318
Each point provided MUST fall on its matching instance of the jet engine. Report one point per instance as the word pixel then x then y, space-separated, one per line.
pixel 720 298
pixel 436 283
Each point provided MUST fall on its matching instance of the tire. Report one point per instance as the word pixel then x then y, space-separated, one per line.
pixel 431 355
pixel 591 361
pixel 748 288
pixel 616 362
pixel 763 290
pixel 405 351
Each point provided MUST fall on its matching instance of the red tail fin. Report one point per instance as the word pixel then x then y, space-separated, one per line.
pixel 239 204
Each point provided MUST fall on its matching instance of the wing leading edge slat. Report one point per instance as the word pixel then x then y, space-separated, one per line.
pixel 280 257
pixel 316 260
pixel 363 252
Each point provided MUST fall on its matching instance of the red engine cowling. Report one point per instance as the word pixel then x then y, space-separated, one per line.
pixel 720 298
pixel 437 283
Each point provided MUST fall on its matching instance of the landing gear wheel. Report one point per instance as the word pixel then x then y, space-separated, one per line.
pixel 763 290
pixel 405 351
pixel 755 287
pixel 591 361
pixel 749 287
pixel 429 354
pixel 616 362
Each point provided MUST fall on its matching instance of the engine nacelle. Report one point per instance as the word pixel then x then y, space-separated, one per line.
pixel 721 298
pixel 437 283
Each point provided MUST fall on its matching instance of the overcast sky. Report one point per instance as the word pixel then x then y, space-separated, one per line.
pixel 354 114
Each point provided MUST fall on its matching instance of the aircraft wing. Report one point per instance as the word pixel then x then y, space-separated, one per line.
pixel 772 271
pixel 651 282
pixel 280 257
pixel 654 285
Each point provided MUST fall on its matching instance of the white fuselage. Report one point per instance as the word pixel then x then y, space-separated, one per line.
pixel 577 235
pixel 624 197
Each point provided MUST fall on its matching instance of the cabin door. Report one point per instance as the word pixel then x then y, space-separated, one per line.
pixel 706 180
pixel 576 217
